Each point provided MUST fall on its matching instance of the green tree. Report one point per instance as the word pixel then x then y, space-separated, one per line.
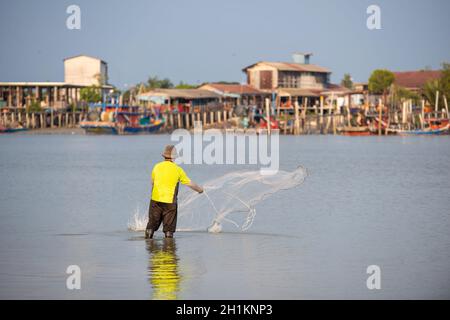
pixel 445 80
pixel 35 106
pixel 401 94
pixel 126 96
pixel 156 83
pixel 380 82
pixel 347 81
pixel 442 85
pixel 227 82
pixel 183 85
pixel 91 94
pixel 430 89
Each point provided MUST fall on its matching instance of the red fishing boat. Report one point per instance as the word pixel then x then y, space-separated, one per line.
pixel 356 131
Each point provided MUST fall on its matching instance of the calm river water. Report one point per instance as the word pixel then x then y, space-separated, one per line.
pixel 66 200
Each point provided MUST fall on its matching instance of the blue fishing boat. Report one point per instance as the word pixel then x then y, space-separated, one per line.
pixel 12 130
pixel 429 131
pixel 433 129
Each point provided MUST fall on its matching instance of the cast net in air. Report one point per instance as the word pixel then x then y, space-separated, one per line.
pixel 230 199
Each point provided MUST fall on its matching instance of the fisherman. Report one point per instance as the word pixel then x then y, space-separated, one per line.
pixel 166 176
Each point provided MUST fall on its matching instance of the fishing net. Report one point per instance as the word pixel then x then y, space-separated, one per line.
pixel 229 199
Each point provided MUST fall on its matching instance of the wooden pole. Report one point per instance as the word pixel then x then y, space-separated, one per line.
pixel 334 108
pixel 348 111
pixel 410 113
pixel 305 107
pixel 422 114
pixel 268 115
pixel 219 118
pixel 321 111
pixel 446 106
pixel 166 122
pixel 171 120
pixel 186 116
pixel 296 118
pixel 436 103
pixel 278 104
pixel 380 115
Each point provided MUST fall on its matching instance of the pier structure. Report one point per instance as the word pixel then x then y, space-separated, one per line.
pixel 80 71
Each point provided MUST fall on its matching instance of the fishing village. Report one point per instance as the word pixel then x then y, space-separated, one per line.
pixel 293 98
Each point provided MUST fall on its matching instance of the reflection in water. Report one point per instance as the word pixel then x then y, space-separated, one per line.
pixel 163 269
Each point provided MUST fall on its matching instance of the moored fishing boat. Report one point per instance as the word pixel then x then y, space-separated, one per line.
pixel 355 131
pixel 99 127
pixel 12 129
pixel 432 126
pixel 436 123
pixel 122 120
pixel 426 131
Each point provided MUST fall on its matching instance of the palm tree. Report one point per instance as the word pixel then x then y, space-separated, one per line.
pixel 430 91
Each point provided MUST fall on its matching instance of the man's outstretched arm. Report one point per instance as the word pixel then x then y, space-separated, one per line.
pixel 195 187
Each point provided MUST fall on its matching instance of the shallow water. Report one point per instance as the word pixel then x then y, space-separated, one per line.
pixel 66 200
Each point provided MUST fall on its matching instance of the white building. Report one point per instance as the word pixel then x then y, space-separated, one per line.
pixel 85 70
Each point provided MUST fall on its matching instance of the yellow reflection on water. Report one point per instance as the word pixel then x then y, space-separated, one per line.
pixel 163 269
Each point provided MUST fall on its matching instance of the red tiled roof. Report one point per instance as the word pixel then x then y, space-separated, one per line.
pixel 415 79
pixel 233 88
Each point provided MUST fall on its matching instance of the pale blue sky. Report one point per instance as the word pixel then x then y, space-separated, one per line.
pixel 208 40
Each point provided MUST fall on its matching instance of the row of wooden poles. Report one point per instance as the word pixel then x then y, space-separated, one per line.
pixel 322 123
pixel 41 120
pixel 186 120
pixel 407 118
pixel 304 123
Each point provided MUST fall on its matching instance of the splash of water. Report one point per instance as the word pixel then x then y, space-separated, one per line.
pixel 138 222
